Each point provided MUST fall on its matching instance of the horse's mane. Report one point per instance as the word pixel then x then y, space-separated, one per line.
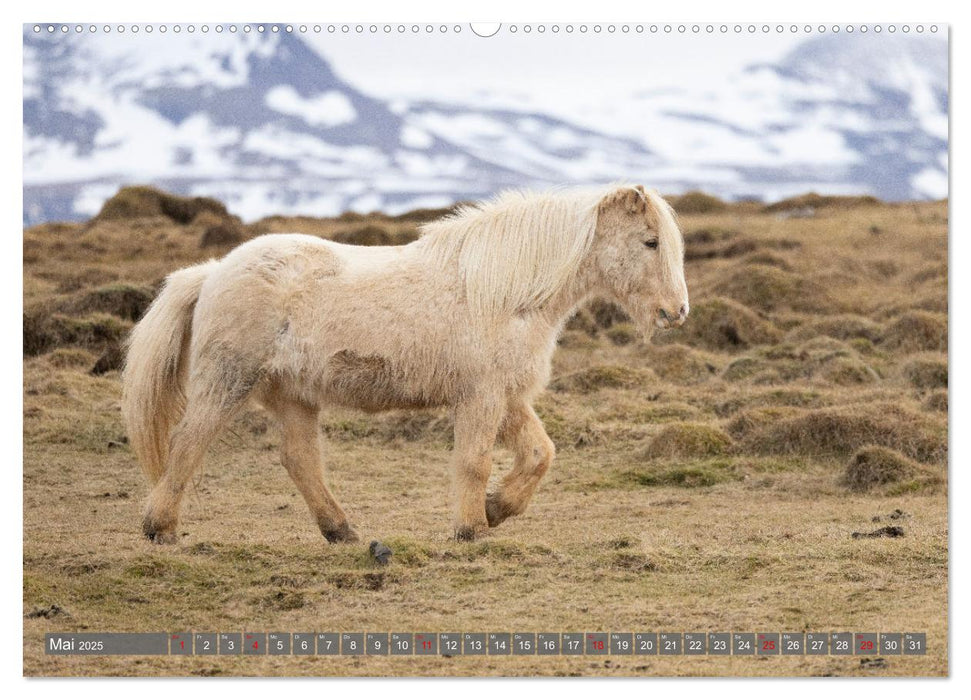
pixel 519 249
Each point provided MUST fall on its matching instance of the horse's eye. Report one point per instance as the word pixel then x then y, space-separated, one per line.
pixel 652 244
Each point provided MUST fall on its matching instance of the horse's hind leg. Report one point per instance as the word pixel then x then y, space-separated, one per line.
pixel 301 456
pixel 522 432
pixel 214 396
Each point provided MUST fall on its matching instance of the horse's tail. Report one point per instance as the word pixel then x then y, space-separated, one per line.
pixel 153 381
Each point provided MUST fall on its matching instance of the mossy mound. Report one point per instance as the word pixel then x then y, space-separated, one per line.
pixel 839 326
pixel 695 202
pixel 936 401
pixel 708 235
pixel 698 473
pixel 223 233
pixel 568 431
pixel 410 426
pixel 722 325
pixel 769 289
pixel 63 358
pixel 113 358
pixel 799 398
pixel 139 202
pixel 424 215
pixel 603 377
pixel 818 201
pixel 679 364
pixel 577 340
pixel 623 334
pixel 873 467
pixel 688 441
pixel 916 331
pixel 839 432
pixel 126 301
pixel 366 235
pixel 823 357
pixel 44 332
pixel 765 257
pixel 715 242
pixel 742 368
pixel 582 322
pixel 926 372
pixel 597 316
pixel 606 313
pixel 372 235
pixel 754 420
pixel 848 371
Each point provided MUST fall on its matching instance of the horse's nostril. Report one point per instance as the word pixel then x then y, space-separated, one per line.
pixel 683 311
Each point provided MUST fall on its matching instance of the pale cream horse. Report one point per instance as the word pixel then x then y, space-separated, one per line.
pixel 466 317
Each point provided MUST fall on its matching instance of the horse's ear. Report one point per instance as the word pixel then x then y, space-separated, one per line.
pixel 630 200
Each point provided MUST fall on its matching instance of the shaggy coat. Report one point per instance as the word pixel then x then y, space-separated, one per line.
pixel 467 317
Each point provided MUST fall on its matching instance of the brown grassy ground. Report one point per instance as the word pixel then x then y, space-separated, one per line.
pixel 804 400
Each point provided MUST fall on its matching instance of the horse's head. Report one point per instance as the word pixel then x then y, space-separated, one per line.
pixel 639 254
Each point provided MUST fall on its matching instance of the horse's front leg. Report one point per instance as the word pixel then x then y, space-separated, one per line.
pixel 476 427
pixel 523 433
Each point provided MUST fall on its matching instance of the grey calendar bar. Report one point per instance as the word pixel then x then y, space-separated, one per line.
pixel 413 644
pixel 106 643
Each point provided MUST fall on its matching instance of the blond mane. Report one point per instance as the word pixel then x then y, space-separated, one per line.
pixel 669 233
pixel 518 250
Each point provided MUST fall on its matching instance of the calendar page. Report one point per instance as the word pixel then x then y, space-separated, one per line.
pixel 448 349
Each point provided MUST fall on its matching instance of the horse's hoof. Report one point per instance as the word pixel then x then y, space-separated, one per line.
pixel 157 533
pixel 496 511
pixel 469 533
pixel 464 534
pixel 161 536
pixel 342 533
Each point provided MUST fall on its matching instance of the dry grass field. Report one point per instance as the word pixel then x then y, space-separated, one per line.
pixel 710 479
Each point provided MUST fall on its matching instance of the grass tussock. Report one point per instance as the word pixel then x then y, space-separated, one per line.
pixel 623 334
pixel 815 201
pixel 755 420
pixel 926 372
pixel 679 364
pixel 410 426
pixel 695 202
pixel 723 325
pixel 839 326
pixel 936 401
pixel 598 316
pixel 768 288
pixel 840 431
pixel 767 257
pixel 874 467
pixel 69 358
pixel 849 371
pixel 691 474
pixel 125 300
pixel 821 358
pixel 372 235
pixel 688 441
pixel 715 242
pixel 600 377
pixel 916 331
pixel 222 234
pixel 44 332
pixel 140 202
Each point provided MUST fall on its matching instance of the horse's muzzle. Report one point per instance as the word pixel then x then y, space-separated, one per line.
pixel 667 319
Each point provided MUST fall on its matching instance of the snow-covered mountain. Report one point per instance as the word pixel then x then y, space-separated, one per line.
pixel 262 122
